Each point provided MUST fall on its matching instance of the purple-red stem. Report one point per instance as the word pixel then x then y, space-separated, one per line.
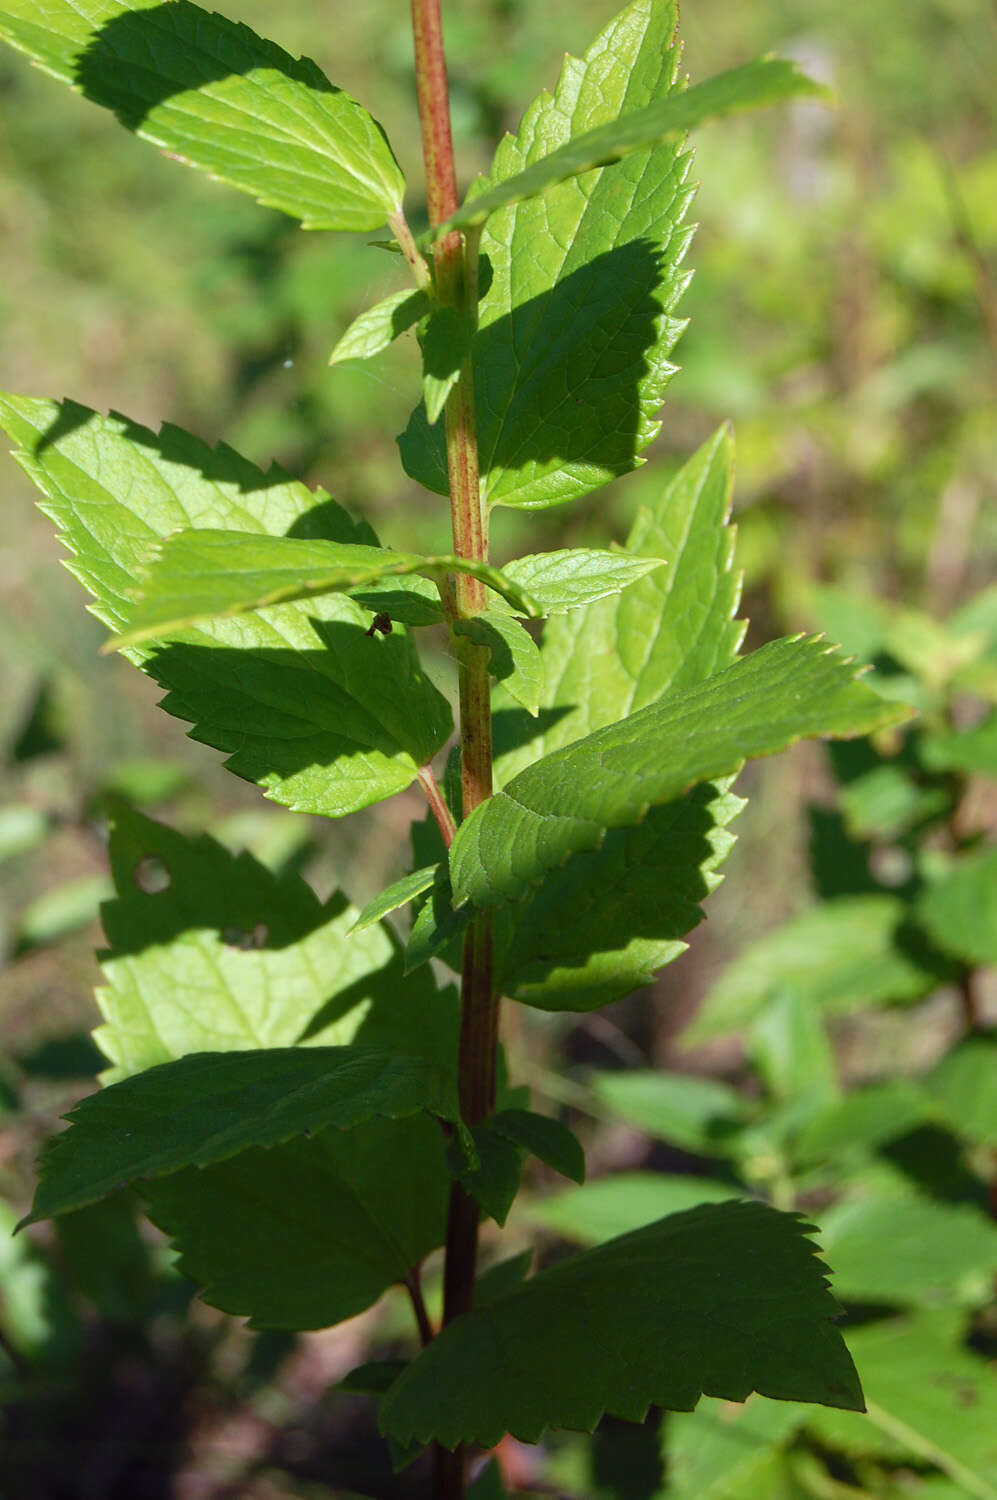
pixel 413 1285
pixel 437 805
pixel 455 275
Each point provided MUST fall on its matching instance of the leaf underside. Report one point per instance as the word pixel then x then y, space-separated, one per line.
pixel 212 93
pixel 721 1300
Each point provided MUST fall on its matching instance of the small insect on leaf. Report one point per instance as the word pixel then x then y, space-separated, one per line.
pixel 380 623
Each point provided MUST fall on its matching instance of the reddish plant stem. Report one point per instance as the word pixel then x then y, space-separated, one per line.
pixel 437 805
pixel 969 1002
pixel 434 109
pixel 413 1285
pixel 409 249
pixel 455 274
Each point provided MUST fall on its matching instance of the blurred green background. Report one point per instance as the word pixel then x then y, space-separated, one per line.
pixel 843 313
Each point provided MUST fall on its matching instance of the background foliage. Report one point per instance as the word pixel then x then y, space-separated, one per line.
pixel 844 313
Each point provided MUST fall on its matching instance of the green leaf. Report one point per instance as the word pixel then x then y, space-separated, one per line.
pixel 963 1086
pixel 543 1137
pixel 187 973
pixel 373 1378
pixel 107 1258
pixel 213 94
pixel 966 750
pixel 857 620
pixel 436 926
pixel 22 828
pixel 446 343
pixel 864 1119
pixel 888 801
pixel 579 317
pixel 59 911
pixel 406 600
pixel 636 897
pixel 720 1447
pixel 400 893
pixel 650 1304
pixel 493 1180
pixel 844 954
pixel 564 804
pixel 632 903
pixel 934 652
pixel 210 951
pixel 515 658
pixel 792 1051
pixel 322 717
pixel 504 1276
pixel 671 629
pixel 977 620
pixel 248 1230
pixel 698 1114
pixel 626 1201
pixel 212 1105
pixel 897 1250
pixel 40 1322
pixel 576 577
pixel 766 80
pixel 960 910
pixel 927 1398
pixel 194 575
pixel 378 326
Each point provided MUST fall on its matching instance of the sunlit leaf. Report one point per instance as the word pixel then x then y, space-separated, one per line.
pixel 302 700
pixel 378 326
pixel 213 94
pixel 514 659
pixel 766 80
pixel 565 803
pixel 400 893
pixel 571 355
pixel 205 573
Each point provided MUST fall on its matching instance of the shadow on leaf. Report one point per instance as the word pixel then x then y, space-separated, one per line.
pixel 139 60
pixel 559 378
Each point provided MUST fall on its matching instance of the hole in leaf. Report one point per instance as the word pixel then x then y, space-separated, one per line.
pixel 151 875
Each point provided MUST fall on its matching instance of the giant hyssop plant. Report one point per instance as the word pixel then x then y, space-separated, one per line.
pixel 306 1112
